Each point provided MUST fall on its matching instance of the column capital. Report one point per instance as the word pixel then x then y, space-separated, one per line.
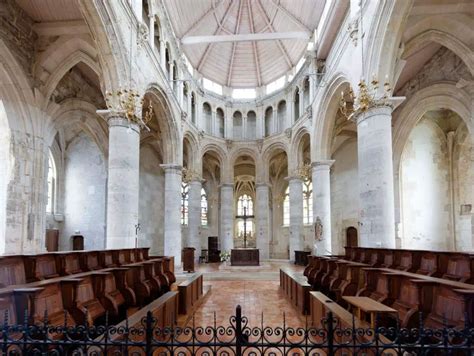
pixel 293 179
pixel 118 118
pixel 172 168
pixel 324 163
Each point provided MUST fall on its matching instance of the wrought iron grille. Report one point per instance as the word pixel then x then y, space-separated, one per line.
pixel 237 338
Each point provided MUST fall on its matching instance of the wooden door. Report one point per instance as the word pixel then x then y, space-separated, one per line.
pixel 351 237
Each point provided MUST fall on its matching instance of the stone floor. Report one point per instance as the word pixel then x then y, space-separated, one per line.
pixel 255 289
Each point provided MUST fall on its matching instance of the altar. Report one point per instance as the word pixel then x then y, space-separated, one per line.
pixel 245 257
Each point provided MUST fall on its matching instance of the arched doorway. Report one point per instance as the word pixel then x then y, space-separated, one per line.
pixel 351 237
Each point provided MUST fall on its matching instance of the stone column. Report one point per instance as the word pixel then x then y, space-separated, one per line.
pixel 263 220
pixel 171 73
pixel 376 203
pixel 244 127
pixel 163 55
pixel 296 215
pixel 123 180
pixel 227 217
pixel 172 221
pixel 301 96
pixel 151 31
pixel 274 125
pixel 322 205
pixel 194 217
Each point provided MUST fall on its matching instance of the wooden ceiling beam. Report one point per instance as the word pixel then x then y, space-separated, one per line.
pixel 292 17
pixel 279 44
pixel 237 26
pixel 247 37
pixel 254 45
pixel 211 10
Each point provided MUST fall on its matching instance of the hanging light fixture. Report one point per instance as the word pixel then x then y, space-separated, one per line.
pixel 129 100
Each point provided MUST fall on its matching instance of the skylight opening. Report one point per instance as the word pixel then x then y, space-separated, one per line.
pixel 275 85
pixel 244 94
pixel 210 85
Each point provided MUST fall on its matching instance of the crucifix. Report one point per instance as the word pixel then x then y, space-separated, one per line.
pixel 245 217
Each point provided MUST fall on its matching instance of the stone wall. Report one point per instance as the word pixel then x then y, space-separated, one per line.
pixel 344 194
pixel 84 194
pixel 425 183
pixel 151 201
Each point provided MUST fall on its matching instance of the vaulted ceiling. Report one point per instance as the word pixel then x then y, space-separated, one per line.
pixel 244 43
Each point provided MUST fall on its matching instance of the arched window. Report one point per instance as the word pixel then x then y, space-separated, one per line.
pixel 204 218
pixel 51 184
pixel 207 115
pixel 245 201
pixel 297 104
pixel 307 202
pixel 286 207
pixel 237 125
pixel 268 121
pixel 184 203
pixel 251 125
pixel 281 115
pixel 220 122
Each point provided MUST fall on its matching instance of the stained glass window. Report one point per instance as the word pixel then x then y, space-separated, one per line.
pixel 204 218
pixel 184 203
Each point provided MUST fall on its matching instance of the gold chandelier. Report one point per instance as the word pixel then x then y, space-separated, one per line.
pixel 368 97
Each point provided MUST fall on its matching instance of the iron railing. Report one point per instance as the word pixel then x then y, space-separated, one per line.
pixel 237 338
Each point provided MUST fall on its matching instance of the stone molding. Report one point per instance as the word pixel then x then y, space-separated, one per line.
pixel 116 118
pixel 172 168
pixel 322 164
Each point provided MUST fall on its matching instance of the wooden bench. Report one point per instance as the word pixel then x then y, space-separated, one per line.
pixel 90 261
pixel 190 291
pixel 108 293
pixel 296 288
pixel 68 262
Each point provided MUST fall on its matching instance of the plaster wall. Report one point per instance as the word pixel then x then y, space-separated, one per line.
pixel 84 194
pixel 424 189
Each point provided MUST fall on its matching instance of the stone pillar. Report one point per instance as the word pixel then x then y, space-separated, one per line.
pixel 301 96
pixel 171 73
pixel 296 215
pixel 227 217
pixel 274 125
pixel 172 224
pixel 244 127
pixel 376 204
pixel 263 220
pixel 322 205
pixel 194 218
pixel 123 180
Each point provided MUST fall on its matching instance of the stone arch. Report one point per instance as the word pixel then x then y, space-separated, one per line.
pixel 66 64
pixel 383 53
pixel 445 39
pixel 267 154
pixel 428 99
pixel 106 32
pixel 326 113
pixel 192 143
pixel 243 151
pixel 296 149
pixel 167 123
pixel 82 113
pixel 219 152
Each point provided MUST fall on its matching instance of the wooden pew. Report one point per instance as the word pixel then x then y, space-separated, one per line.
pixel 68 262
pixel 126 289
pixel 159 275
pixel 106 259
pixel 12 271
pixel 407 260
pixel 457 267
pixel 144 286
pixel 164 310
pixel 315 269
pixel 428 264
pixel 40 267
pixel 331 273
pixel 321 305
pixel 190 291
pixel 351 284
pixel 296 289
pixel 81 300
pixel 108 294
pixel 378 286
pixel 122 256
pixel 168 269
pixel 388 260
pixel 445 306
pixel 408 300
pixel 90 261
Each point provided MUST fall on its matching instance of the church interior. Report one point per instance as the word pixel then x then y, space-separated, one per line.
pixel 247 165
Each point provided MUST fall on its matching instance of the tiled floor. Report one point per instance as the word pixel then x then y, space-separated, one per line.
pixel 255 289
